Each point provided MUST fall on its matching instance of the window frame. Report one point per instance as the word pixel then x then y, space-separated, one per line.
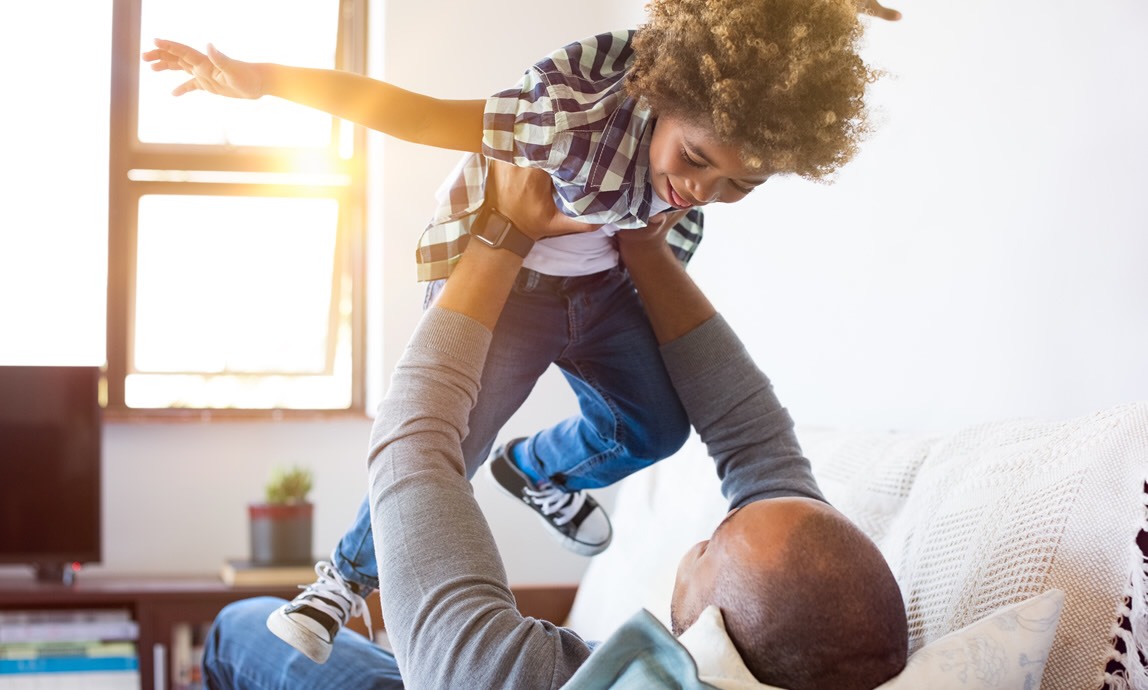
pixel 127 153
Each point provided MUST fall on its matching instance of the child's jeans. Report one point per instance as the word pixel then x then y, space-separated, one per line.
pixel 595 329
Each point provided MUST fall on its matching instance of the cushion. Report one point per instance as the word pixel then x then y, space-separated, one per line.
pixel 1006 650
pixel 1000 512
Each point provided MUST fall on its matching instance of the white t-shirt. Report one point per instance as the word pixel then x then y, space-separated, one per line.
pixel 581 254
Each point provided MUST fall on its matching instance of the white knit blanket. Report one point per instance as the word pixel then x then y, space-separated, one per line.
pixel 1000 512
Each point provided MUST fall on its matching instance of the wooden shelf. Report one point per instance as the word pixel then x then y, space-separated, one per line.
pixel 158 604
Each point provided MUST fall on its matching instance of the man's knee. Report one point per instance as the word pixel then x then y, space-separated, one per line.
pixel 244 613
pixel 230 633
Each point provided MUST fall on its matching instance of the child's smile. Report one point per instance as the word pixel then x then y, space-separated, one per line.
pixel 689 167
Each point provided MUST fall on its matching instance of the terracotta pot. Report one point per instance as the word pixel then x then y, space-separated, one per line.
pixel 280 533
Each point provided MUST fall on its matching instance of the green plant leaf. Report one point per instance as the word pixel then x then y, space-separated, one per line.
pixel 289 485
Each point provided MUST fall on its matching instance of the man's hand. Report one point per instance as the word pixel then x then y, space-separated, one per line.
pixel 654 234
pixel 875 9
pixel 214 72
pixel 525 195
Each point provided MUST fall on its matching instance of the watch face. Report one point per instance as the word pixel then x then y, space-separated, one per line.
pixel 491 227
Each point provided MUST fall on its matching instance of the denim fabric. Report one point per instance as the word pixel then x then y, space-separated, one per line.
pixel 240 653
pixel 595 329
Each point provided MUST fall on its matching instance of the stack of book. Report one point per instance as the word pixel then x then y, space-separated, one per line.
pixel 239 572
pixel 65 649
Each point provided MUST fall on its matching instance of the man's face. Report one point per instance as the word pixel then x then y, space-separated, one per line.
pixel 750 541
pixel 698 572
pixel 689 167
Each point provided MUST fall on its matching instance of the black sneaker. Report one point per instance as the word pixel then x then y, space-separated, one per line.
pixel 310 621
pixel 574 518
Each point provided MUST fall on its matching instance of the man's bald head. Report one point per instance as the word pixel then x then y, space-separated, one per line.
pixel 807 598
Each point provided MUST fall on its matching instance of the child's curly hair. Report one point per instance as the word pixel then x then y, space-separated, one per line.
pixel 780 78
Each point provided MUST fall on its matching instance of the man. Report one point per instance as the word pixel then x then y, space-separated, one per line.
pixel 806 598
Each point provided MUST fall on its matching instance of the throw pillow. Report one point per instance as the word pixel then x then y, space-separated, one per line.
pixel 1006 650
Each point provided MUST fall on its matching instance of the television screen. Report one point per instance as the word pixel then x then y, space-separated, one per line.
pixel 49 467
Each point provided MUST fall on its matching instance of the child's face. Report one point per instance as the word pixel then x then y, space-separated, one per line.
pixel 689 167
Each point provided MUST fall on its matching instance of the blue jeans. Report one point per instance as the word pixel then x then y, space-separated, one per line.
pixel 595 329
pixel 240 653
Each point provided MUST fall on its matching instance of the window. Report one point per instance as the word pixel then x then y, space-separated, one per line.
pixel 235 262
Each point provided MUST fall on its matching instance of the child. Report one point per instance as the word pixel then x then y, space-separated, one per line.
pixel 703 103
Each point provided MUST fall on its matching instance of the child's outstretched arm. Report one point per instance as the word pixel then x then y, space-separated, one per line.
pixel 414 117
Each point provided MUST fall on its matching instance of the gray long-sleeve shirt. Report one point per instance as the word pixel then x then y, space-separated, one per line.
pixel 448 608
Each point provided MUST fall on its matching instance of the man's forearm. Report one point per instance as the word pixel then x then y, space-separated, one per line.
pixel 674 303
pixel 481 282
pixel 410 116
pixel 729 400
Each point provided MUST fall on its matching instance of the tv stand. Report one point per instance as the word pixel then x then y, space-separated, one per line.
pixel 56 573
pixel 160 604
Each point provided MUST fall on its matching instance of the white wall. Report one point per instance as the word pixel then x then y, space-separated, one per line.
pixel 987 253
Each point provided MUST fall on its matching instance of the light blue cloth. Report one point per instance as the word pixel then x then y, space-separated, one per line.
pixel 639 655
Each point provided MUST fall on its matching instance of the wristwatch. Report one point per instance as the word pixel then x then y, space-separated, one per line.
pixel 493 228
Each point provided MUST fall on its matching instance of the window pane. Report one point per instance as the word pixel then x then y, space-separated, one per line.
pixel 238 302
pixel 296 32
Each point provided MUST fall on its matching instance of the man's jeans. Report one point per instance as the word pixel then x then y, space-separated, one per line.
pixel 240 653
pixel 595 329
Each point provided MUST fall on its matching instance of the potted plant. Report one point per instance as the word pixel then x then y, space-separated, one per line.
pixel 281 525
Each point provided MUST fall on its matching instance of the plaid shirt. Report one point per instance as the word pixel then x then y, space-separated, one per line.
pixel 569 116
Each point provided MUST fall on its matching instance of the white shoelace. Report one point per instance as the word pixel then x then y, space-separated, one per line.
pixel 333 586
pixel 555 502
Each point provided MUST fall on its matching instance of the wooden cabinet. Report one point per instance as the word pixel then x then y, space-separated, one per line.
pixel 160 605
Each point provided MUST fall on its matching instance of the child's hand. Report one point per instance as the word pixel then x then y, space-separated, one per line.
pixel 214 72
pixel 638 242
pixel 525 195
pixel 875 9
pixel 655 232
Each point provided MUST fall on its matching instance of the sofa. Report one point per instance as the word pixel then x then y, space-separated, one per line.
pixel 1016 544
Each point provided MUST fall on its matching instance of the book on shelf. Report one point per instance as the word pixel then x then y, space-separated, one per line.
pixel 59 664
pixel 240 572
pixel 41 650
pixel 61 650
pixel 70 625
pixel 71 680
